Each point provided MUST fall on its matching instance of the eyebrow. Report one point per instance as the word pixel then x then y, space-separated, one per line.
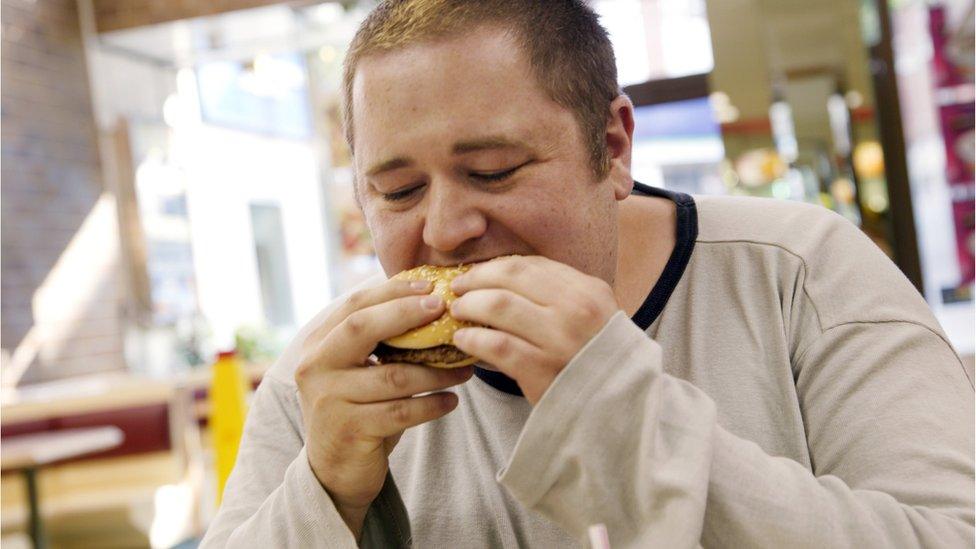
pixel 461 147
pixel 488 143
pixel 388 165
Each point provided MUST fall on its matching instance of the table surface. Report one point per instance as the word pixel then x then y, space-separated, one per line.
pixel 100 392
pixel 24 451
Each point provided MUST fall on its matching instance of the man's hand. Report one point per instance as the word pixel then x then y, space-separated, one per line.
pixel 540 312
pixel 354 413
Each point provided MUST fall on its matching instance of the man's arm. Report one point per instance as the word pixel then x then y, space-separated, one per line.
pixel 312 468
pixel 889 420
pixel 273 499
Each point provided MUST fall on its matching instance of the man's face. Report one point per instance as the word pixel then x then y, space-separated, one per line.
pixel 461 157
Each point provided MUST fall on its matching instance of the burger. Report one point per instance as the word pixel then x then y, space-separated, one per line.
pixel 429 345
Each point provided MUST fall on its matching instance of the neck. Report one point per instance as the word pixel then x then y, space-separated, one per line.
pixel 646 229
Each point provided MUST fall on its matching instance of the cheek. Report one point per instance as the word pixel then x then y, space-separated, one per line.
pixel 396 238
pixel 546 221
pixel 576 227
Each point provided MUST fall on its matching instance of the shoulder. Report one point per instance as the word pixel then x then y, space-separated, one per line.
pixel 846 276
pixel 794 226
pixel 284 368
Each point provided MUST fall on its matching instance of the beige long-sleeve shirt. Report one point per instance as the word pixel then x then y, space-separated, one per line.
pixel 783 386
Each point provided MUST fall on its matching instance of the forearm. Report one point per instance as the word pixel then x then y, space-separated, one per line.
pixel 641 452
pixel 615 453
pixel 755 500
pixel 273 499
pixel 298 513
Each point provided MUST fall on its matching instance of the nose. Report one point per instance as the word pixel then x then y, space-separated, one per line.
pixel 452 217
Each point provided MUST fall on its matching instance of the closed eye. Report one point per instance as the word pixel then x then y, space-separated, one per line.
pixel 493 176
pixel 496 176
pixel 401 195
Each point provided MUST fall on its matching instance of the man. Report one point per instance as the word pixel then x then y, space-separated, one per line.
pixel 714 371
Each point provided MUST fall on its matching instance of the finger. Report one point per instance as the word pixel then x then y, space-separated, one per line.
pixel 507 311
pixel 367 297
pixel 352 341
pixel 384 419
pixel 514 356
pixel 387 291
pixel 537 278
pixel 395 381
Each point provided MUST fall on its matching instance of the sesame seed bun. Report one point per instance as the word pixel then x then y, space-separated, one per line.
pixel 429 345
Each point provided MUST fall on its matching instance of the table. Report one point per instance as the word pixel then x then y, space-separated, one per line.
pixel 29 453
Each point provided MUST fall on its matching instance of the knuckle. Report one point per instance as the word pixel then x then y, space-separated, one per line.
pixel 356 300
pixel 399 412
pixel 590 310
pixel 307 368
pixel 355 324
pixel 500 303
pixel 395 377
pixel 302 373
pixel 513 268
pixel 501 347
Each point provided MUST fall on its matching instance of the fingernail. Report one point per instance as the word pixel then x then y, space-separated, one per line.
pixel 420 284
pixel 456 282
pixel 431 302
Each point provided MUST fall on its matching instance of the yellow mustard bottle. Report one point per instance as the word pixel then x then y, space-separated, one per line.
pixel 228 408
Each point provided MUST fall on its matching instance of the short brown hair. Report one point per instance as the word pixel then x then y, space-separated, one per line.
pixel 569 51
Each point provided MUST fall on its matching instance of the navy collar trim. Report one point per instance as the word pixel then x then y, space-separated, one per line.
pixel 686 233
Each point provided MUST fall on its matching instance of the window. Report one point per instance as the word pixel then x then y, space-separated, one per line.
pixel 272 261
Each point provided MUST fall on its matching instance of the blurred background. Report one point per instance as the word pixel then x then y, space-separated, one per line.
pixel 175 183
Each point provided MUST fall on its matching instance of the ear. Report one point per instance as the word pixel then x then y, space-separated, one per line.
pixel 619 138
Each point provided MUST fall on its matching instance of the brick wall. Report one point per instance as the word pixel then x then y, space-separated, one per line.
pixel 123 14
pixel 59 267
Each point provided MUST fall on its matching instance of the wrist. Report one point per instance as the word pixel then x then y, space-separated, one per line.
pixel 354 517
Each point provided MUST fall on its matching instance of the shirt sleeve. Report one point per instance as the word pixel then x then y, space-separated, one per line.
pixel 890 435
pixel 273 499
